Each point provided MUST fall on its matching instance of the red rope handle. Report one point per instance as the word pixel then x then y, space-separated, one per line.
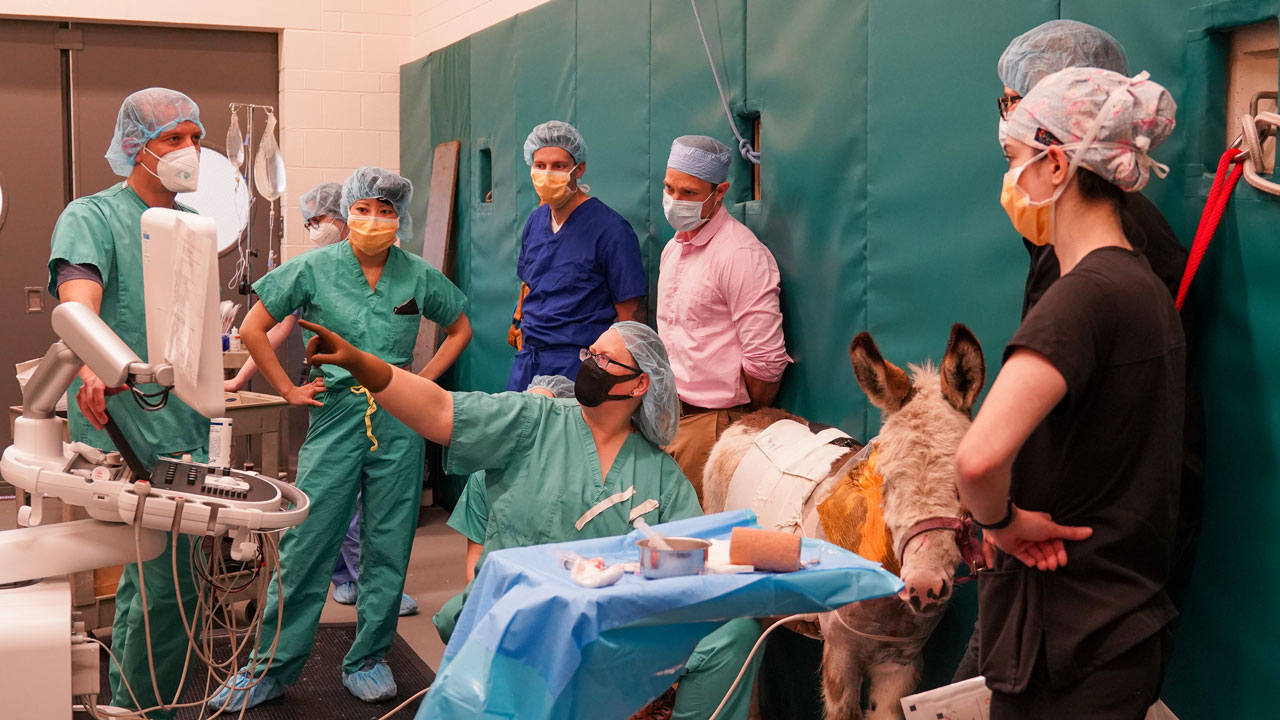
pixel 1219 196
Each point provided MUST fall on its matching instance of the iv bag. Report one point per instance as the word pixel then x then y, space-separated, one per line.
pixel 235 141
pixel 268 166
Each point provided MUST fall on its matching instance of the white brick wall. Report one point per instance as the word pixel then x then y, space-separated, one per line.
pixel 437 23
pixel 341 111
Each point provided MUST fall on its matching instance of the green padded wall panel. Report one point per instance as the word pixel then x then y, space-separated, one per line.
pixel 613 108
pixel 683 101
pixel 807 78
pixel 880 200
pixel 494 229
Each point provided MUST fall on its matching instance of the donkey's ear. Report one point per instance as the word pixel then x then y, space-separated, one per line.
pixel 964 371
pixel 885 384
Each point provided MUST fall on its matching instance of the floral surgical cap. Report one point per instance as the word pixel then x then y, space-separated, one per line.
pixel 1133 116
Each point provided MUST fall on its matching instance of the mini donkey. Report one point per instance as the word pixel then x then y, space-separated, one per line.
pixel 924 418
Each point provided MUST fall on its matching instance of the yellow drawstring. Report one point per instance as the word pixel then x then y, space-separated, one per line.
pixel 368 415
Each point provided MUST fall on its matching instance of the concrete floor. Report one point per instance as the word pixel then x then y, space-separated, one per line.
pixel 435 575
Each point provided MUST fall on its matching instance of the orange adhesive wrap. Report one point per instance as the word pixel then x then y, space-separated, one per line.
pixel 765 549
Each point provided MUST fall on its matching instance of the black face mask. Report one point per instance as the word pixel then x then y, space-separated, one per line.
pixel 594 382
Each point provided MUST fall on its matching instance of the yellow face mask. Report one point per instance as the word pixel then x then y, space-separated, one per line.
pixel 372 235
pixel 552 186
pixel 1033 220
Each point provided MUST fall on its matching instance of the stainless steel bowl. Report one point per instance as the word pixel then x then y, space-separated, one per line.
pixel 687 556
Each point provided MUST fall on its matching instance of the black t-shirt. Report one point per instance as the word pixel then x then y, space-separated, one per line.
pixel 1108 457
pixel 1149 232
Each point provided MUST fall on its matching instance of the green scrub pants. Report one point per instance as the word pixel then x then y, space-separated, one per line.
pixel 706 677
pixel 446 619
pixel 335 463
pixel 168 634
pixel 711 669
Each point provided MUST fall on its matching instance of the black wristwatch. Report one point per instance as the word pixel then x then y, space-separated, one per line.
pixel 1002 523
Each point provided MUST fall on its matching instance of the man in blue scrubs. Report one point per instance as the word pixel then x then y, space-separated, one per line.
pixel 579 259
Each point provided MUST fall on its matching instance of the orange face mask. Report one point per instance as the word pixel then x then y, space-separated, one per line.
pixel 372 235
pixel 1033 220
pixel 552 186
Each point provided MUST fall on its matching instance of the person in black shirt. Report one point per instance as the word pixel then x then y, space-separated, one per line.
pixel 1078 446
pixel 1045 49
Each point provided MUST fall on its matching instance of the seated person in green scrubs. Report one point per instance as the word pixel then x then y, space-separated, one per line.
pixel 568 469
pixel 471 512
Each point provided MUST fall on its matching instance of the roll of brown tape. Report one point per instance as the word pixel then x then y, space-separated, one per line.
pixel 765 549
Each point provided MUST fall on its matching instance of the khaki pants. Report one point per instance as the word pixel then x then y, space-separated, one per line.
pixel 697 433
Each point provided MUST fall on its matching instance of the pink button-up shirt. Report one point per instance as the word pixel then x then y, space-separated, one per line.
pixel 718 312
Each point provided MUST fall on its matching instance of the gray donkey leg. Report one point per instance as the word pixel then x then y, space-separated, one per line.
pixel 842 673
pixel 890 682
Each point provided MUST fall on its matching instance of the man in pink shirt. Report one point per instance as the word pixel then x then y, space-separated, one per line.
pixel 717 306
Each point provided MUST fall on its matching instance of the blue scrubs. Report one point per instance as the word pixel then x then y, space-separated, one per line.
pixel 575 277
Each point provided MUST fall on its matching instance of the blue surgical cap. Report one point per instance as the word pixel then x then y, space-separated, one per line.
pixel 703 157
pixel 143 116
pixel 559 385
pixel 323 199
pixel 555 134
pixel 658 416
pixel 1057 45
pixel 375 182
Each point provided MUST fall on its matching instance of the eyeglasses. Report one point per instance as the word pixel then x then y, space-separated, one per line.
pixel 603 360
pixel 1007 103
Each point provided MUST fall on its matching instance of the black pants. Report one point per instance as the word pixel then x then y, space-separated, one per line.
pixel 790 678
pixel 968 667
pixel 1122 689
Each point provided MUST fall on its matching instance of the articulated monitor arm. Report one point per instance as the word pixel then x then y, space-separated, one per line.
pixel 183 496
pixel 85 340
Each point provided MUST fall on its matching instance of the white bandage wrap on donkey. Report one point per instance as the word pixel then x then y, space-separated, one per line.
pixel 785 475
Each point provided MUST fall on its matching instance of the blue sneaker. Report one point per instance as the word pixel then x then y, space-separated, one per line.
pixel 408 606
pixel 346 593
pixel 235 698
pixel 372 682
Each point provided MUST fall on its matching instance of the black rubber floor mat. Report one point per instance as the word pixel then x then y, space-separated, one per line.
pixel 319 692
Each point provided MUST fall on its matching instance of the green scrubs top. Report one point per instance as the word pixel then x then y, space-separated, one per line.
pixel 105 230
pixel 329 287
pixel 471 513
pixel 542 473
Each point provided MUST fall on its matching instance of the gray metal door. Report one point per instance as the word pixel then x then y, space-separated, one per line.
pixel 213 67
pixel 33 187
